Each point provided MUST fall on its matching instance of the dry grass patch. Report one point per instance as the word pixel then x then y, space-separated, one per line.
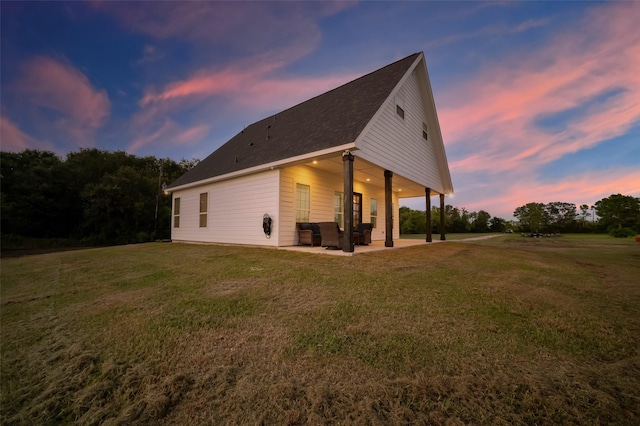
pixel 500 331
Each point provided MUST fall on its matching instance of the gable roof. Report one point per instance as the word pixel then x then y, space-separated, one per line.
pixel 330 120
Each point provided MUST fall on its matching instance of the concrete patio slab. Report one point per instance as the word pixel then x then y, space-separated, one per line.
pixel 373 247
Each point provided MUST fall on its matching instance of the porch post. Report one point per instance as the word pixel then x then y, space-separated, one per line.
pixel 388 208
pixel 347 238
pixel 427 194
pixel 442 236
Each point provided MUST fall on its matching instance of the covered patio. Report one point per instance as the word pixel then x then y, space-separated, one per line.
pixel 373 247
pixel 354 169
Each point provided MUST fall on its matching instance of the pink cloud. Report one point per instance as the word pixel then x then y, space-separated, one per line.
pixel 256 87
pixel 493 116
pixel 492 119
pixel 514 190
pixel 15 140
pixel 240 89
pixel 201 84
pixel 169 133
pixel 47 86
pixel 267 36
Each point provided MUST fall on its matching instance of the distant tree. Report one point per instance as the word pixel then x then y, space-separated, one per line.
pixel 36 201
pixel 120 207
pixel 435 219
pixel 405 215
pixel 584 214
pixel 481 222
pixel 412 221
pixel 619 211
pixel 93 195
pixel 186 165
pixel 456 220
pixel 561 216
pixel 532 216
pixel 497 224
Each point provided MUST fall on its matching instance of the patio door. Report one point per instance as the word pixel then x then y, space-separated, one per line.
pixel 357 209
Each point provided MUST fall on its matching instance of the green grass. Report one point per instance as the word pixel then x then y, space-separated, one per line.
pixel 508 330
pixel 448 237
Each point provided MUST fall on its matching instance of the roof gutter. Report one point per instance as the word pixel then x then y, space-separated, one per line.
pixel 264 167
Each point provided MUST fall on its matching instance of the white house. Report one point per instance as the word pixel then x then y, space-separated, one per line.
pixel 347 155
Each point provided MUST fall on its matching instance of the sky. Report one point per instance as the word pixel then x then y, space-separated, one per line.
pixel 537 101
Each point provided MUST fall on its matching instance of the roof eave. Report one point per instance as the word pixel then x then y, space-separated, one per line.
pixel 265 167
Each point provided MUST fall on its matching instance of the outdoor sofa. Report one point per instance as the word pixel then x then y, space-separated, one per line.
pixel 328 234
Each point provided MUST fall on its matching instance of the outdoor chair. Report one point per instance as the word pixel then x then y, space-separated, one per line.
pixel 308 233
pixel 331 235
pixel 362 234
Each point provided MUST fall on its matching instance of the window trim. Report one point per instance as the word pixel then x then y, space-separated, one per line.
pixel 306 210
pixel 204 207
pixel 176 212
pixel 373 214
pixel 338 209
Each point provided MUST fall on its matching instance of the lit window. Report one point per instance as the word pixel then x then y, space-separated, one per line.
pixel 374 212
pixel 303 202
pixel 176 213
pixel 338 208
pixel 204 202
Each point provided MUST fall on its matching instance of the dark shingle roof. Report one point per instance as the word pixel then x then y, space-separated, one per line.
pixel 332 119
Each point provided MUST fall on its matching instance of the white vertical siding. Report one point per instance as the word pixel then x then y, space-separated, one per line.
pixel 397 144
pixel 234 213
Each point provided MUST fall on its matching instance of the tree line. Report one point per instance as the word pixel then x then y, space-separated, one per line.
pixel 456 220
pixel 618 214
pixel 100 197
pixel 91 196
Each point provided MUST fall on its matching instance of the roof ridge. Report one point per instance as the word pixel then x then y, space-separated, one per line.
pixel 330 119
pixel 336 88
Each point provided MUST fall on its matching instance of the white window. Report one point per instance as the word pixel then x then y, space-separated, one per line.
pixel 303 202
pixel 374 212
pixel 204 203
pixel 176 212
pixel 338 208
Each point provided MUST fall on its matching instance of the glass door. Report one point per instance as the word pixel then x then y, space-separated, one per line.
pixel 357 209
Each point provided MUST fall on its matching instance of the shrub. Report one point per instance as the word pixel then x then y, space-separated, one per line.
pixel 142 237
pixel 622 233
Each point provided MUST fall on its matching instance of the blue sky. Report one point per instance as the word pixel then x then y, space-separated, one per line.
pixel 537 101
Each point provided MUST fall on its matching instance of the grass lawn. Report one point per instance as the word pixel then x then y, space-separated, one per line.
pixel 508 330
pixel 448 237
